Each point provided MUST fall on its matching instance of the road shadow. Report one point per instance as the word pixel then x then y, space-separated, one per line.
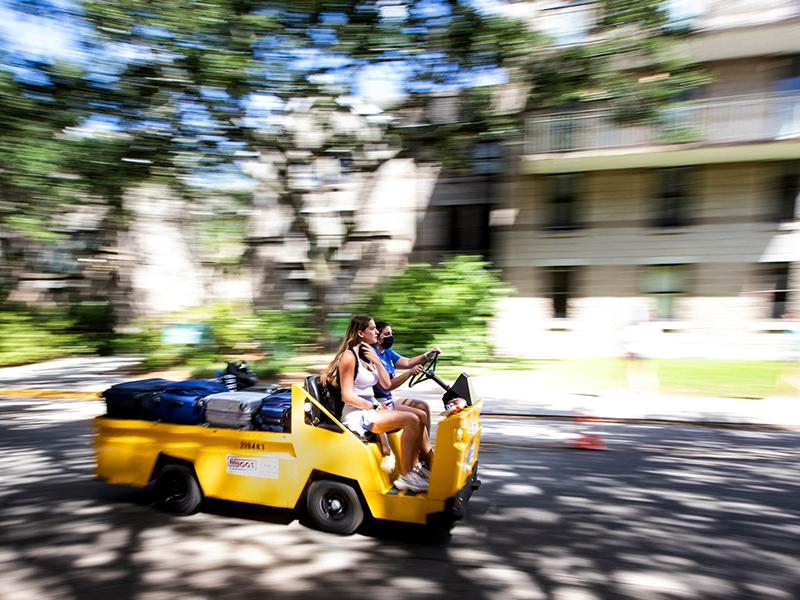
pixel 668 515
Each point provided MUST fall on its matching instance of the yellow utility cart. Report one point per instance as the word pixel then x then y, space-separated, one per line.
pixel 320 465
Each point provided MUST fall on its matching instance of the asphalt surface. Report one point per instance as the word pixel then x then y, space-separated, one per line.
pixel 665 513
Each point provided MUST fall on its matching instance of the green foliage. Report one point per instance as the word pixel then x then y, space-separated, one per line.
pixel 633 63
pixel 449 305
pixel 284 332
pixel 268 369
pixel 28 335
pixel 236 329
pixel 94 320
pixel 232 325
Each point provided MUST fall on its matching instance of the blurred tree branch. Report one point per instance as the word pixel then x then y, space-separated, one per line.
pixel 170 91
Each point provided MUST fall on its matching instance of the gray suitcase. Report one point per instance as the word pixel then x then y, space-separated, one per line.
pixel 232 410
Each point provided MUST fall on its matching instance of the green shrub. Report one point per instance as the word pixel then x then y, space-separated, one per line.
pixel 267 369
pixel 234 328
pixel 284 332
pixel 450 305
pixel 94 321
pixel 29 335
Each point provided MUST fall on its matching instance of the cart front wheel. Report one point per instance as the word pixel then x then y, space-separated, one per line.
pixel 334 507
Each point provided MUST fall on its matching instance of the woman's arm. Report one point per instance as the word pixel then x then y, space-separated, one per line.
pixel 407 363
pixel 384 381
pixel 347 369
pixel 399 380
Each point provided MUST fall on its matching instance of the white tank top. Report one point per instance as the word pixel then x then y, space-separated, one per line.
pixel 362 386
pixel 365 380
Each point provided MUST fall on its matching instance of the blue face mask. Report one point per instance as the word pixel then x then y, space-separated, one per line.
pixel 387 341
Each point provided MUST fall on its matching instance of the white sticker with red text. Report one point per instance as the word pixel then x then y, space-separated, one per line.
pixel 265 467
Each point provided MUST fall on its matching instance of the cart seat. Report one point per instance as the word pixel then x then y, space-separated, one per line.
pixel 315 416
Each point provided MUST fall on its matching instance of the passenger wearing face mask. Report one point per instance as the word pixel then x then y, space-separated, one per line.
pixel 391 362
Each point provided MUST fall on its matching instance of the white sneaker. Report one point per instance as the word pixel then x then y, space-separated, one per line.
pixel 423 471
pixel 411 481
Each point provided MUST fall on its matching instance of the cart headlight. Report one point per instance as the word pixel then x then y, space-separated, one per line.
pixel 459 435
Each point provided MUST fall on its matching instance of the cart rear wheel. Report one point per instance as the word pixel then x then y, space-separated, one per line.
pixel 177 490
pixel 334 507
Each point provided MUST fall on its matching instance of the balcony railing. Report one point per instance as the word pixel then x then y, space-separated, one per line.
pixel 735 119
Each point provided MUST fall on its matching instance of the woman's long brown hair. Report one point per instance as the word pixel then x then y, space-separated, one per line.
pixel 357 323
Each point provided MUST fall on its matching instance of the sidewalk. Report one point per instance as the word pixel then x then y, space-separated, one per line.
pixel 506 393
pixel 513 393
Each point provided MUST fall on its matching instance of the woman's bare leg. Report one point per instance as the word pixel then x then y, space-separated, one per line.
pixel 424 443
pixel 389 420
pixel 420 405
pixel 426 448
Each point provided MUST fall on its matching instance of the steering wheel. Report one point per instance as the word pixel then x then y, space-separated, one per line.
pixel 428 370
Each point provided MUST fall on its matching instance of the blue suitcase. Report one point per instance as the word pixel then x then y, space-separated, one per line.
pixel 275 412
pixel 135 399
pixel 184 402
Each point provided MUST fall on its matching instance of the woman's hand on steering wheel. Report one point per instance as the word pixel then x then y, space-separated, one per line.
pixel 427 368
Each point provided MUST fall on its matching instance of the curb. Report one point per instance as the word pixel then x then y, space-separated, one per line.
pixel 72 394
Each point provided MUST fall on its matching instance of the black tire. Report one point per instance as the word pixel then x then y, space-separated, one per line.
pixel 177 490
pixel 334 507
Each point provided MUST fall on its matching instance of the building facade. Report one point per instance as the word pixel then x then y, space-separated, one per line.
pixel 688 230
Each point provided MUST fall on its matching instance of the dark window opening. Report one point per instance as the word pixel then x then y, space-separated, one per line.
pixel 788 191
pixel 563 203
pixel 562 283
pixel 671 208
pixel 468 229
pixel 780 290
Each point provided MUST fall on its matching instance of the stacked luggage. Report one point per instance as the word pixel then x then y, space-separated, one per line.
pixel 275 412
pixel 250 410
pixel 232 410
pixel 184 403
pixel 265 407
pixel 135 399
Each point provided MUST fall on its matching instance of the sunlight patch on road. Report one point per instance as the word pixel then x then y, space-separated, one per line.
pixel 519 514
pixel 521 489
pixel 573 593
pixel 513 583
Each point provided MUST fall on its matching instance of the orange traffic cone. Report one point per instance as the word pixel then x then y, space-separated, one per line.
pixel 587 440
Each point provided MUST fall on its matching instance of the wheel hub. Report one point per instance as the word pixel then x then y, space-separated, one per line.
pixel 174 489
pixel 334 506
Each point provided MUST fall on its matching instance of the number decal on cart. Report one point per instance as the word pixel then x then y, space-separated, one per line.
pixel 265 467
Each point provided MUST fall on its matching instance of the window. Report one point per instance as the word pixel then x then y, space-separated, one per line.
pixel 562 287
pixel 486 158
pixel 666 284
pixel 788 191
pixel 779 283
pixel 469 228
pixel 563 202
pixel 671 203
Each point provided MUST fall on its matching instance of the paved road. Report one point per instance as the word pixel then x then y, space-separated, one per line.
pixel 668 513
